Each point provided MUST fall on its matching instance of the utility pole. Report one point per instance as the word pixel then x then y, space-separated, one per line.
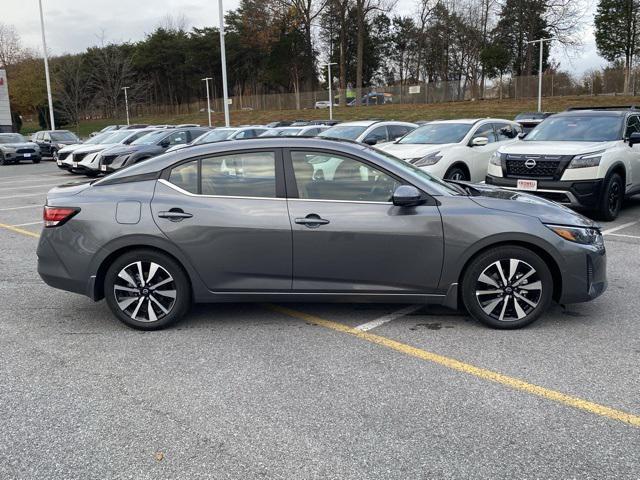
pixel 126 102
pixel 330 82
pixel 223 57
pixel 46 69
pixel 541 42
pixel 206 80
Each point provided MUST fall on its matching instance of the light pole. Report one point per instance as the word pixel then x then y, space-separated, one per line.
pixel 330 82
pixel 206 80
pixel 223 58
pixel 541 41
pixel 46 69
pixel 126 102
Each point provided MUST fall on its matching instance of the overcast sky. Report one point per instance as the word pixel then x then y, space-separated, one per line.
pixel 73 25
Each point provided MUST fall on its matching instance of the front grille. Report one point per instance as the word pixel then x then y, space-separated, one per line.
pixel 63 155
pixel 77 157
pixel 25 150
pixel 546 167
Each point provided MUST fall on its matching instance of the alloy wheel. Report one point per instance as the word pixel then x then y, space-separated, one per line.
pixel 145 291
pixel 508 290
pixel 614 197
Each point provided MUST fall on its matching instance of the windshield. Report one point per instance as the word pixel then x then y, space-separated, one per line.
pixel 216 135
pixel 346 132
pixel 12 138
pixel 437 133
pixel 63 137
pixel 415 172
pixel 151 138
pixel 100 138
pixel 120 136
pixel 578 129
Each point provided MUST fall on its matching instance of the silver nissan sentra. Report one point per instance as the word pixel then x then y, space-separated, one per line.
pixel 302 219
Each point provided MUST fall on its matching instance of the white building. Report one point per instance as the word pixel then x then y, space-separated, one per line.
pixel 5 110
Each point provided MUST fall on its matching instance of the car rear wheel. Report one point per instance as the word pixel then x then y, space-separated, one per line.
pixel 147 290
pixel 507 287
pixel 612 198
pixel 457 174
pixel 35 160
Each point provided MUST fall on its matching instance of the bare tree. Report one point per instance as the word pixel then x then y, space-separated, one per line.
pixel 11 50
pixel 71 87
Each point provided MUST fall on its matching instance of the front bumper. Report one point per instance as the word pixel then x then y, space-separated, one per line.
pixel 585 275
pixel 577 194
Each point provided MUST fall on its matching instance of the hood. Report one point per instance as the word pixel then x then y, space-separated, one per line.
pixel 72 148
pixel 126 149
pixel 413 150
pixel 20 145
pixel 554 148
pixel 93 148
pixel 546 211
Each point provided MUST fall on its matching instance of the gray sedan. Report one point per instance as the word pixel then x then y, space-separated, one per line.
pixel 287 219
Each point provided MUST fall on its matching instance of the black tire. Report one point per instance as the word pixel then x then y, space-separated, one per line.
pixel 145 293
pixel 91 173
pixel 477 300
pixel 36 160
pixel 457 173
pixel 3 160
pixel 611 198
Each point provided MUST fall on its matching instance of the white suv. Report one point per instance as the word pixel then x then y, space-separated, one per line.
pixel 455 149
pixel 583 158
pixel 370 132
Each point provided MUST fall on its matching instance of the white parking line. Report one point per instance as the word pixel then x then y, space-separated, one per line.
pixel 388 318
pixel 27 224
pixel 45 185
pixel 622 235
pixel 20 208
pixel 619 227
pixel 42 194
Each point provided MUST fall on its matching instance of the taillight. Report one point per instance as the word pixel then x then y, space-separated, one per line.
pixel 56 216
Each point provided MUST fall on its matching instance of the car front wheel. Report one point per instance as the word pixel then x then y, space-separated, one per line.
pixel 612 198
pixel 457 174
pixel 507 287
pixel 147 290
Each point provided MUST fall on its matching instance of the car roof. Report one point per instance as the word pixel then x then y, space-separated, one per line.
pixel 595 113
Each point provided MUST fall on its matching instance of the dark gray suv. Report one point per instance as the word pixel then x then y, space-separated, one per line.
pixel 286 219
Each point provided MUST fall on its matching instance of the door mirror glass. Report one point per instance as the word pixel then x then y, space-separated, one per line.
pixel 479 141
pixel 407 196
pixel 371 140
pixel 165 143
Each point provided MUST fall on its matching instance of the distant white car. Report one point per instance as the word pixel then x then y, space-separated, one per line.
pixel 223 133
pixel 455 149
pixel 371 132
pixel 302 131
pixel 321 104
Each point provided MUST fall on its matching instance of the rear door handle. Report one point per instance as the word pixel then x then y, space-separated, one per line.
pixel 312 221
pixel 175 215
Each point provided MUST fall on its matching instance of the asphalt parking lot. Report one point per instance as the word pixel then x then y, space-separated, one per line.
pixel 311 391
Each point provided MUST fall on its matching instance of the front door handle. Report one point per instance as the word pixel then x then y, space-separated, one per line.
pixel 175 215
pixel 312 220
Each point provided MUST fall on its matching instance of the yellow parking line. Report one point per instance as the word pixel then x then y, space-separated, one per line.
pixel 453 364
pixel 19 230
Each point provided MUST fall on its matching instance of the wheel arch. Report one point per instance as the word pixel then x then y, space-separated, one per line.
pixel 543 253
pixel 619 168
pixel 459 164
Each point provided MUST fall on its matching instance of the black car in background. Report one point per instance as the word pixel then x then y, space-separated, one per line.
pixel 50 141
pixel 147 147
pixel 530 120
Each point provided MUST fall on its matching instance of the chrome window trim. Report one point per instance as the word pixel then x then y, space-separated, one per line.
pixel 337 201
pixel 189 194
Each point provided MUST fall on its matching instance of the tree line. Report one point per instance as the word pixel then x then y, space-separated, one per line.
pixel 281 46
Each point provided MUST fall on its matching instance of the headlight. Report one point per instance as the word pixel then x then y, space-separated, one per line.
pixel 495 159
pixel 584 236
pixel 427 160
pixel 586 160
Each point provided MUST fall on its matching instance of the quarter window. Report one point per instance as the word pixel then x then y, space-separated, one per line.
pixel 185 176
pixel 633 125
pixel 321 176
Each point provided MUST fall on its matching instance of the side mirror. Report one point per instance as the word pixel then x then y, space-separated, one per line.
pixel 634 138
pixel 165 143
pixel 521 135
pixel 479 141
pixel 407 196
pixel 371 140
